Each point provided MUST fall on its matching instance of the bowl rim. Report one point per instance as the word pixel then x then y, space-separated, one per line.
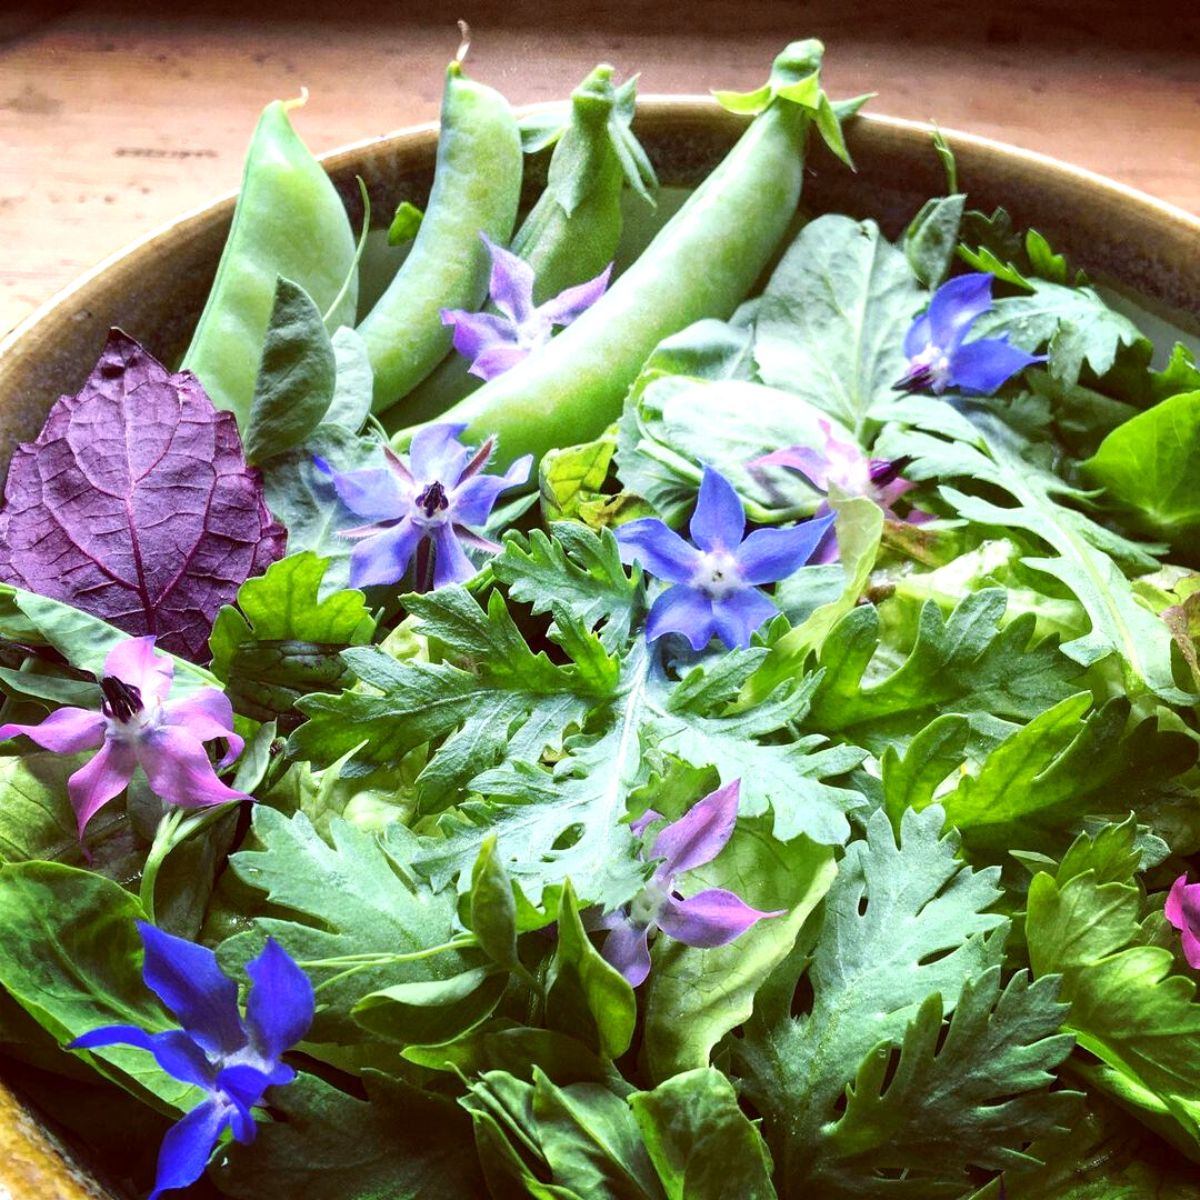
pixel 677 102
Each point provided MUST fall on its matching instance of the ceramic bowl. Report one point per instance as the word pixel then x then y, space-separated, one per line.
pixel 1140 247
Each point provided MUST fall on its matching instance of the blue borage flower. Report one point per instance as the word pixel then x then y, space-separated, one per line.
pixel 494 342
pixel 940 358
pixel 716 580
pixel 233 1059
pixel 428 504
pixel 713 917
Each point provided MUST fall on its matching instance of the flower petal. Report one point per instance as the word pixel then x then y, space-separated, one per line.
pixel 738 615
pixel 574 301
pixel 174 1050
pixel 135 662
pixel 245 1085
pixel 179 771
pixel 769 555
pixel 685 610
pixel 450 563
pixel 700 834
pixel 280 1006
pixel 476 332
pixel 65 731
pixel 383 557
pixel 628 949
pixel 436 454
pixel 207 715
pixel 810 463
pixel 1191 948
pixel 495 360
pixel 473 501
pixel 919 337
pixel 956 305
pixel 710 918
pixel 511 282
pixel 658 548
pixel 188 1146
pixel 1173 909
pixel 979 368
pixel 99 780
pixel 719 520
pixel 639 825
pixel 186 978
pixel 376 493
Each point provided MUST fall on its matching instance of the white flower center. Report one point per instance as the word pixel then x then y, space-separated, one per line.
pixel 937 363
pixel 645 907
pixel 136 726
pixel 718 575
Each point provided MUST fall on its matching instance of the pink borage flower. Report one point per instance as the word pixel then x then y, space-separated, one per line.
pixel 1183 911
pixel 138 727
pixel 713 917
pixel 496 341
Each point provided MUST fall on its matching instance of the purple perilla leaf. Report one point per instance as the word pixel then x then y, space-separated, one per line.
pixel 135 504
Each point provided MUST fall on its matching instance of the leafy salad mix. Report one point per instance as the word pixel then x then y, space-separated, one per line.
pixel 718 724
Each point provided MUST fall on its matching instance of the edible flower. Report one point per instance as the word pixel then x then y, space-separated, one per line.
pixel 232 1059
pixel 716 580
pixel 938 356
pixel 710 918
pixel 844 466
pixel 1183 911
pixel 138 727
pixel 497 341
pixel 428 504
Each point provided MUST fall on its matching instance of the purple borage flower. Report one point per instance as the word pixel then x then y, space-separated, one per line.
pixel 234 1060
pixel 843 465
pixel 715 581
pixel 938 356
pixel 496 341
pixel 427 505
pixel 1183 911
pixel 710 918
pixel 138 727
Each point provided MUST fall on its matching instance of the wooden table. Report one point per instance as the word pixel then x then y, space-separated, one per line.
pixel 114 119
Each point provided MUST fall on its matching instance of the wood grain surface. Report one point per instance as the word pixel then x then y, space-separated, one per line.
pixel 116 118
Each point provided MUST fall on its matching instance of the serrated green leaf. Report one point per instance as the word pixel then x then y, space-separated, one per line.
pixel 1073 322
pixel 1084 550
pixel 904 919
pixel 966 664
pixel 347 897
pixel 505 702
pixel 969 1094
pixel 575 569
pixel 284 605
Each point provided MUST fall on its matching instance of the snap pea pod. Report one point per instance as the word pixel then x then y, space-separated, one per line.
pixel 571 233
pixel 289 221
pixel 701 264
pixel 476 188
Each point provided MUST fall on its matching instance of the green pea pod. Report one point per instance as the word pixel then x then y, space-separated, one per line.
pixel 701 264
pixel 289 221
pixel 476 189
pixel 571 233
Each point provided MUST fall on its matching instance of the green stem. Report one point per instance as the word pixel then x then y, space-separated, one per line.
pixel 361 961
pixel 164 842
